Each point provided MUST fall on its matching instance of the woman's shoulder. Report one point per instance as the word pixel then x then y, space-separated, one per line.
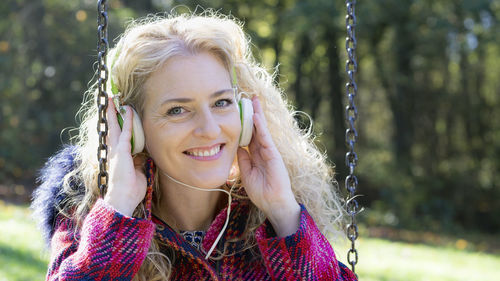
pixel 49 194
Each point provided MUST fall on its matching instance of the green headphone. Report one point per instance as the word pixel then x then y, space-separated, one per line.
pixel 245 108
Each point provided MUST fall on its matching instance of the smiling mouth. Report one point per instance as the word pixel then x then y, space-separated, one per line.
pixel 204 152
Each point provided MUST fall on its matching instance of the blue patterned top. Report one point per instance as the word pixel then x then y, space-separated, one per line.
pixel 193 237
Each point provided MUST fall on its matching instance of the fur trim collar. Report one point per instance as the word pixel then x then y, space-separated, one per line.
pixel 49 195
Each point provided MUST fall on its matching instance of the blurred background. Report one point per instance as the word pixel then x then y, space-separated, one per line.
pixel 428 101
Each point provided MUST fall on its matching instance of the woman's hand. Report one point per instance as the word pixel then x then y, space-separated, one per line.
pixel 127 182
pixel 266 178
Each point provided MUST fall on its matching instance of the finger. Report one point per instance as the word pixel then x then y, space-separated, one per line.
pixel 260 122
pixel 113 126
pixel 257 107
pixel 140 172
pixel 262 134
pixel 254 147
pixel 127 128
pixel 141 175
pixel 244 161
pixel 263 148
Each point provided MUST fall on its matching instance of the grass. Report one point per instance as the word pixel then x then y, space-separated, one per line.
pixel 22 255
pixel 384 260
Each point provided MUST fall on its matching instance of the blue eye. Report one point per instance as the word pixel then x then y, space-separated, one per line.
pixel 175 110
pixel 223 102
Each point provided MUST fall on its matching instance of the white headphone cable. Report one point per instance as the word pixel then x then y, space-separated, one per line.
pixel 228 208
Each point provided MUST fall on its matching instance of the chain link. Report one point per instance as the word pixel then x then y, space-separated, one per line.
pixel 351 135
pixel 102 97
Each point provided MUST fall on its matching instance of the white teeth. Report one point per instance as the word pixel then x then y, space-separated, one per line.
pixel 205 153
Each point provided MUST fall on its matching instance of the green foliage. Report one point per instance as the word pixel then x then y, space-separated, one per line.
pixel 429 123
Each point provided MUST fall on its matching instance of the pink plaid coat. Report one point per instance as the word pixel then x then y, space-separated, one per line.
pixel 111 246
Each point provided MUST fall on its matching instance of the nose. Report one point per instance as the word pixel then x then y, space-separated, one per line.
pixel 207 125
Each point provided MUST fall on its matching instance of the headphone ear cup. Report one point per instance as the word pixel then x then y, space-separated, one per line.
pixel 138 139
pixel 246 116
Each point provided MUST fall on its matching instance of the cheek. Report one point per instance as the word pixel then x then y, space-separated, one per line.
pixel 163 147
pixel 159 139
pixel 169 138
pixel 234 130
pixel 233 124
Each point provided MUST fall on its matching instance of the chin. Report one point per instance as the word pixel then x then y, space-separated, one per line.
pixel 209 182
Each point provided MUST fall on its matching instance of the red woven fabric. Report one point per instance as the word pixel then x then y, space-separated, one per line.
pixel 111 246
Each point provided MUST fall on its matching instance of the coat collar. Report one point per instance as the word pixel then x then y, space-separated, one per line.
pixel 234 230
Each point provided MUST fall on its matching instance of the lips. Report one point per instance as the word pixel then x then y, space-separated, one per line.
pixel 207 151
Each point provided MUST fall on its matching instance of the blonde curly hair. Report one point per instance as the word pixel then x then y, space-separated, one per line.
pixel 144 47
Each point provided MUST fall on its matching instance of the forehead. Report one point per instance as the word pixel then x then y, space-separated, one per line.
pixel 193 76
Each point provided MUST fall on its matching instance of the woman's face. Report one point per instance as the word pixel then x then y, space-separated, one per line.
pixel 191 120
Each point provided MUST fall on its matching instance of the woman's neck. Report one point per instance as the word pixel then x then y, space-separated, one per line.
pixel 184 208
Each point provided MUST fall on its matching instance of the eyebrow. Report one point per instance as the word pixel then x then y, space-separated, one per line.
pixel 186 100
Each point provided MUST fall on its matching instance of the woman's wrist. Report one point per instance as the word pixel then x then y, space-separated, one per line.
pixel 285 219
pixel 120 207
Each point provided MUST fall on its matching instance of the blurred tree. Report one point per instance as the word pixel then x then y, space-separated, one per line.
pixel 429 122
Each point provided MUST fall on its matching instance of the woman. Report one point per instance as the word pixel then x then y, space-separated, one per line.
pixel 271 202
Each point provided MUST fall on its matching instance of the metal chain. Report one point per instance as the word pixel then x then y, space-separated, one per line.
pixel 102 97
pixel 351 135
